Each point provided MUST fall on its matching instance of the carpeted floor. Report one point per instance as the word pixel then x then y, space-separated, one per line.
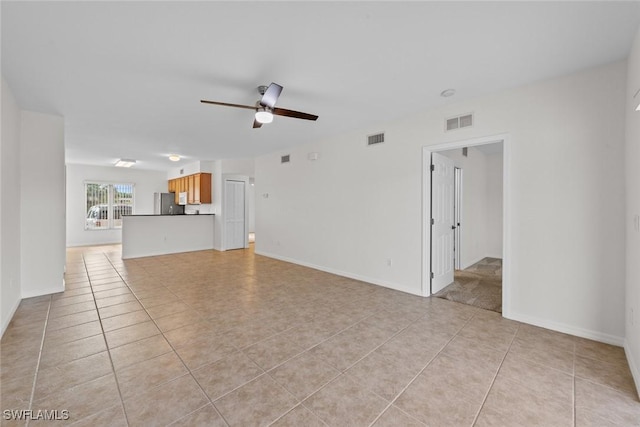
pixel 479 285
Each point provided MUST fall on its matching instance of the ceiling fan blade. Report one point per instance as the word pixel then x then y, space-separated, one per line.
pixel 271 95
pixel 226 104
pixel 256 124
pixel 294 114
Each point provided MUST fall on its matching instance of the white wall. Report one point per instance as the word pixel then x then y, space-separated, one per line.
pixel 494 206
pixel 251 194
pixel 216 198
pixel 358 206
pixel 146 183
pixel 166 234
pixel 42 204
pixel 9 208
pixel 632 167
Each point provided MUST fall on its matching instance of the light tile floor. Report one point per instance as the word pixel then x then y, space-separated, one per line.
pixel 215 339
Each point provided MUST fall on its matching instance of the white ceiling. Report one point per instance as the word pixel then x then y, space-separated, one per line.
pixel 128 76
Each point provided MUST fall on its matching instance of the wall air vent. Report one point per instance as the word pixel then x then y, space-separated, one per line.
pixel 285 159
pixel 464 121
pixel 378 138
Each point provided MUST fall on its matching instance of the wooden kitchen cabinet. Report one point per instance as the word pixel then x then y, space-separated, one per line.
pixel 191 190
pixel 173 188
pixel 203 187
pixel 197 187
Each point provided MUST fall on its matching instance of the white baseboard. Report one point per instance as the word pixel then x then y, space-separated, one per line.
pixel 43 291
pixel 469 264
pixel 633 366
pixel 373 281
pixel 85 244
pixel 566 329
pixel 5 322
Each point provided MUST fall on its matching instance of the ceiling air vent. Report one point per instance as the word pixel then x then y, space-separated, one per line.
pixel 285 159
pixel 459 122
pixel 375 139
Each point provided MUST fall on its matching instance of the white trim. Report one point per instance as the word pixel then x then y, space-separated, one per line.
pixel 5 323
pixel 498 256
pixel 43 291
pixel 341 273
pixel 568 329
pixel 467 265
pixel 635 370
pixel 506 210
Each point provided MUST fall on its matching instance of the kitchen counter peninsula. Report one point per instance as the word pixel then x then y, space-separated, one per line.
pixel 149 235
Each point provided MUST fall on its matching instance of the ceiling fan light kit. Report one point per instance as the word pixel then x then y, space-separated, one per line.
pixel 266 108
pixel 264 115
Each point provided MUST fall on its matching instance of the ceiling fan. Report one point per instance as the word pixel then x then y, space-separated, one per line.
pixel 265 107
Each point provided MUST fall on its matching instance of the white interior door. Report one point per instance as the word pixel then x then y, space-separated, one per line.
pixel 234 219
pixel 442 221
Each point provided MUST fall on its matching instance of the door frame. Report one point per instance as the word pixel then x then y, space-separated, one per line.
pixel 457 213
pixel 507 211
pixel 223 238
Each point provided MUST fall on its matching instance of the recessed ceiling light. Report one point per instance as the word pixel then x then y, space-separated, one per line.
pixel 125 163
pixel 447 93
pixel 174 157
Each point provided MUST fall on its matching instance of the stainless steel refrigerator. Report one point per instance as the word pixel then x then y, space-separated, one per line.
pixel 164 204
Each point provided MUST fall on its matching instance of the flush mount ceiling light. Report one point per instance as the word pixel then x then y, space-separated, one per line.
pixel 174 157
pixel 447 93
pixel 125 163
pixel 264 115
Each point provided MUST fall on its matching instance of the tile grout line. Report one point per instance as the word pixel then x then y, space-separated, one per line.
pixel 35 375
pixel 421 370
pixel 172 348
pixel 340 372
pixel 106 344
pixel 493 381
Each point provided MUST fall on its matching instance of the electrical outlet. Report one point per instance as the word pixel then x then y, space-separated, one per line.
pixel 389 262
pixel 636 223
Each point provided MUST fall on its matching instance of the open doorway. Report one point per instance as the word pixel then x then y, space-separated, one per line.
pixel 465 247
pixel 477 226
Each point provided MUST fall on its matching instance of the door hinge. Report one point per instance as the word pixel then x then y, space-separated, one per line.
pixel 433 167
pixel 432 275
pixel 433 221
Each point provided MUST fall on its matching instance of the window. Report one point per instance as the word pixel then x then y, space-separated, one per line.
pixel 106 203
